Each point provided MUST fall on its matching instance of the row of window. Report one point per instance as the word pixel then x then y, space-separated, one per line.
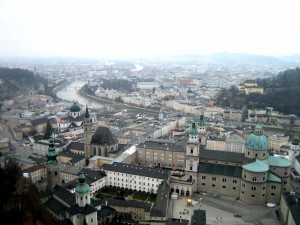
pixel 253 196
pixel 213 185
pixel 223 179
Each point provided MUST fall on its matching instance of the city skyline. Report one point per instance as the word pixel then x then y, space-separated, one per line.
pixel 147 28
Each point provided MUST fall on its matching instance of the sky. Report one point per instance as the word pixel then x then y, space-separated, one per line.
pixel 135 28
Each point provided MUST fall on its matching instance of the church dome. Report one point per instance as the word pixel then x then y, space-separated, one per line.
pixel 193 130
pixel 257 140
pixel 103 136
pixel 82 187
pixel 75 108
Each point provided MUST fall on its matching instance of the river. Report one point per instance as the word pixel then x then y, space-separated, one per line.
pixel 68 93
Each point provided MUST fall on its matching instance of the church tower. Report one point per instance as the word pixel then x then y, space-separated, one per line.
pixel 87 133
pixel 82 192
pixel 294 151
pixel 202 130
pixel 53 173
pixel 192 153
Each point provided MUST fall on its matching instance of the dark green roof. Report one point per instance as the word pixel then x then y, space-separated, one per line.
pixel 75 108
pixel 51 154
pixel 259 166
pixel 82 187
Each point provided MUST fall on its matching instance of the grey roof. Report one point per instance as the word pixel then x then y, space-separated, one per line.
pixel 76 146
pixel 138 170
pixel 128 203
pixel 161 145
pixel 105 211
pixel 222 155
pixel 199 217
pixel 159 209
pixel 86 210
pixel 74 157
pixel 71 169
pixel 64 195
pixel 39 121
pixel 55 206
pixel 93 175
pixel 103 136
pixel 219 169
pixel 293 203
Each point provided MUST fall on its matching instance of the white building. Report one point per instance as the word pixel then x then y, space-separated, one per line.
pixel 134 177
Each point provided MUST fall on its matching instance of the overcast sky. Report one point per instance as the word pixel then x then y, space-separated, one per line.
pixel 148 27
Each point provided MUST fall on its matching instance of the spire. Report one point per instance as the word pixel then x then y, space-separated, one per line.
pixel 193 129
pixel 87 114
pixel 51 154
pixel 201 122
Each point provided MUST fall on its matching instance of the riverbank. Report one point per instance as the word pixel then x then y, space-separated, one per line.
pixel 61 86
pixel 115 105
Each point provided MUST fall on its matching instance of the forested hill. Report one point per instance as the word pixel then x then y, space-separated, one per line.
pixel 282 92
pixel 17 81
pixel 286 79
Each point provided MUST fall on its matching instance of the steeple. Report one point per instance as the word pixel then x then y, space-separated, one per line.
pixel 82 191
pixel 51 154
pixel 87 114
pixel 87 132
pixel 53 173
pixel 193 134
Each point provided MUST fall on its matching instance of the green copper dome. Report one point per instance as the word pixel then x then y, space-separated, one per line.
pixel 75 108
pixel 51 154
pixel 193 130
pixel 201 122
pixel 257 140
pixel 82 187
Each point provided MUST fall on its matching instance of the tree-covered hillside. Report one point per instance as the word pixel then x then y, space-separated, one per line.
pixel 282 92
pixel 14 82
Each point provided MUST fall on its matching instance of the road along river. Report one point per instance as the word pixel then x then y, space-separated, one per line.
pixel 72 92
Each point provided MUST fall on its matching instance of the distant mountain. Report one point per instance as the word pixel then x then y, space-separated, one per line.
pixel 291 58
pixel 243 58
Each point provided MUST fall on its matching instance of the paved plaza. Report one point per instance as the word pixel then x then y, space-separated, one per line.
pixel 224 210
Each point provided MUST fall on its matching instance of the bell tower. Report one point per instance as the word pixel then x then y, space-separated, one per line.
pixel 53 173
pixel 192 153
pixel 87 133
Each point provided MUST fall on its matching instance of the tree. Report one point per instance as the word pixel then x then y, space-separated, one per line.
pixel 48 131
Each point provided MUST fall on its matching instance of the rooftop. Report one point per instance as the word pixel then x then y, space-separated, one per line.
pixel 258 166
pixel 138 170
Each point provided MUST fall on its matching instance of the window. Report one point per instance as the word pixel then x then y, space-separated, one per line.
pixel 264 188
pixel 192 151
pixel 254 179
pixel 234 188
pixel 248 153
pixel 203 184
pixel 255 155
pixel 91 220
pixel 273 187
pixel 244 176
pixel 273 194
pixel 253 196
pixel 223 186
pixel 214 179
pixel 253 188
pixel 234 181
pixel 213 185
pixel 191 167
pixel 224 180
pixel 243 185
pixel 203 177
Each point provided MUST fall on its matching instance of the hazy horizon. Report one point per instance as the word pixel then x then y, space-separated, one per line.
pixel 133 28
